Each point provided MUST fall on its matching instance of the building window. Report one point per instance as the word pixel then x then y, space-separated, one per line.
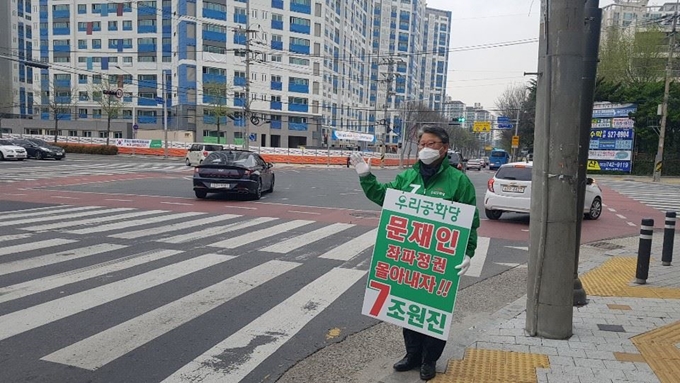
pixel 87 133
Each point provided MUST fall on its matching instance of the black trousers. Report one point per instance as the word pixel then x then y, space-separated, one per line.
pixel 423 346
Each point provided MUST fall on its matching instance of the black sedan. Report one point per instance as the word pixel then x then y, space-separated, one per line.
pixel 40 149
pixel 233 172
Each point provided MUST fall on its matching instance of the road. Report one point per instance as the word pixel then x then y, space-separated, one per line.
pixel 111 270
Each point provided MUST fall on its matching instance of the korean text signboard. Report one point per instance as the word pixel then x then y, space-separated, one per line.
pixel 611 137
pixel 413 281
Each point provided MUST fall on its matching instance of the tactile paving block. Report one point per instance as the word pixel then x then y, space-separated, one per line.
pixel 494 366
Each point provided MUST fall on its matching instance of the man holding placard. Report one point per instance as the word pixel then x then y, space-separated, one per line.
pixel 426 238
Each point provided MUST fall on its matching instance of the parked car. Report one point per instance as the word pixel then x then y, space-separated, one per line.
pixel 40 149
pixel 198 152
pixel 474 163
pixel 10 151
pixel 457 161
pixel 509 190
pixel 233 172
pixel 486 162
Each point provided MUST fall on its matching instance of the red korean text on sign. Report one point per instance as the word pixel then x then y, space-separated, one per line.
pixel 397 228
pixel 393 252
pixel 421 234
pixel 447 240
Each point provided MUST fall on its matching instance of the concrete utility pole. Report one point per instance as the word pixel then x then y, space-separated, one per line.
pixel 658 161
pixel 554 210
pixel 386 118
pixel 593 15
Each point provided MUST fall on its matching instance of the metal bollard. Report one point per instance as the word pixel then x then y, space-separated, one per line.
pixel 644 251
pixel 668 238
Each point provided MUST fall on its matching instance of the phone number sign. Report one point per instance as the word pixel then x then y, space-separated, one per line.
pixel 412 281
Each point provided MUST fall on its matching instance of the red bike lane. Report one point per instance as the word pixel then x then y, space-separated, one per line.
pixel 621 215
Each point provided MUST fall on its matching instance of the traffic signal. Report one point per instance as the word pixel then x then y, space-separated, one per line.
pixel 461 119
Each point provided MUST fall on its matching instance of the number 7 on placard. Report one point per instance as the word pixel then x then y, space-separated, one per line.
pixel 383 293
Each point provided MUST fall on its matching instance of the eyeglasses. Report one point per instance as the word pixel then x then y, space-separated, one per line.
pixel 430 144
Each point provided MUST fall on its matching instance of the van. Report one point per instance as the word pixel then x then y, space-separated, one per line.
pixel 198 152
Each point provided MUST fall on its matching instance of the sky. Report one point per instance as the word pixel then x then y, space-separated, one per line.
pixel 481 75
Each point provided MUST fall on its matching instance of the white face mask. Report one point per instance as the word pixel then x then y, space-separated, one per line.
pixel 428 155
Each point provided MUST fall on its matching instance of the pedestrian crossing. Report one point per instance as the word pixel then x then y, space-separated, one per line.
pixel 49 170
pixel 108 290
pixel 64 264
pixel 662 197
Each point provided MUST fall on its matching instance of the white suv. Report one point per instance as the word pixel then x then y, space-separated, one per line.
pixel 198 152
pixel 510 191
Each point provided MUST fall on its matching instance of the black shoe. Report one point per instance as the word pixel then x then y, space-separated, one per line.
pixel 406 364
pixel 428 370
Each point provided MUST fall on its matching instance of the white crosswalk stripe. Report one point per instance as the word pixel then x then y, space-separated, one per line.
pixel 143 265
pixel 61 225
pixel 658 196
pixel 279 325
pixel 305 239
pixel 106 346
pixel 27 319
pixel 126 224
pixel 51 170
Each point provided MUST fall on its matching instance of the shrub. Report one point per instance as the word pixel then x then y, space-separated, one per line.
pixel 88 149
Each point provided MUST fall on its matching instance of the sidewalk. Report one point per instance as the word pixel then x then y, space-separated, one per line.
pixel 626 333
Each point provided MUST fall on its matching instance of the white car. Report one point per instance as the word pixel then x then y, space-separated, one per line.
pixel 9 151
pixel 474 163
pixel 509 190
pixel 198 152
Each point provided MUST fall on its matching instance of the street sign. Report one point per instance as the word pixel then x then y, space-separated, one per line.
pixel 481 126
pixel 515 142
pixel 505 126
pixel 252 137
pixel 135 126
pixel 503 120
pixel 119 93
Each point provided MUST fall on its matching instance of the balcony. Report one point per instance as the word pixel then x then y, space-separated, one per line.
pixel 297 48
pixel 240 39
pixel 146 11
pixel 146 29
pixel 144 101
pixel 61 15
pixel 63 100
pixel 275 124
pixel 277 4
pixel 60 31
pixel 62 84
pixel 62 48
pixel 301 8
pixel 146 48
pixel 298 88
pixel 214 78
pixel 215 36
pixel 297 126
pixel 275 105
pixel 82 115
pixel 277 24
pixel 240 102
pixel 146 119
pixel 302 108
pixel 278 45
pixel 214 14
pixel 276 85
pixel 297 28
pixel 240 18
pixel 240 81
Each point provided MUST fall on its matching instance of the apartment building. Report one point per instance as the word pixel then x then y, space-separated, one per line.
pixel 16 48
pixel 288 71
